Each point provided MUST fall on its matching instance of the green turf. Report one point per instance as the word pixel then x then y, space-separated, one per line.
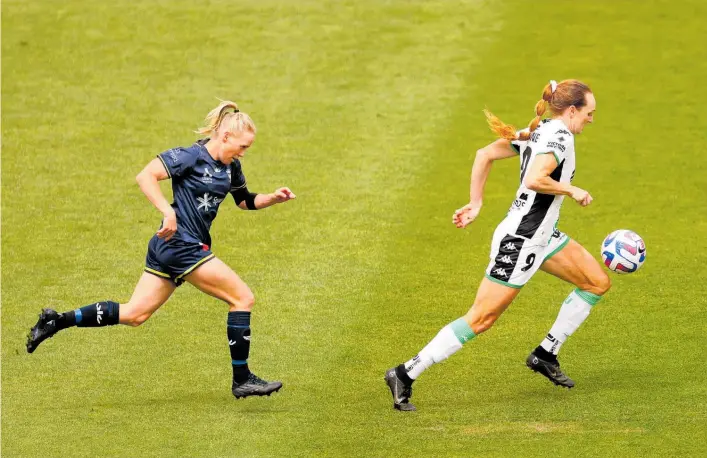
pixel 371 112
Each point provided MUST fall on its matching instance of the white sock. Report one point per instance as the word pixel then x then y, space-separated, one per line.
pixel 572 314
pixel 448 341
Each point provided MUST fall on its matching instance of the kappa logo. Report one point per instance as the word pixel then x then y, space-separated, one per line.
pixel 506 259
pixel 510 246
pixel 217 170
pixel 563 131
pixel 99 312
pixel 501 272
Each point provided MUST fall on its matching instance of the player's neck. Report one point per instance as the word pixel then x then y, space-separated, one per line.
pixel 566 120
pixel 215 150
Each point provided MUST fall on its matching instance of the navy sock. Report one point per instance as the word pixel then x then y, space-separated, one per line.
pixel 238 331
pixel 104 313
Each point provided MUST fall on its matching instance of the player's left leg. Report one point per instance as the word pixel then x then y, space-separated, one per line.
pixel 216 279
pixel 149 295
pixel 575 265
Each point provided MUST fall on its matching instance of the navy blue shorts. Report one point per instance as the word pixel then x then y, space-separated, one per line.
pixel 175 259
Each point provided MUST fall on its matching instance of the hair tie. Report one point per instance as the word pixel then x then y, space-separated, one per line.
pixel 553 86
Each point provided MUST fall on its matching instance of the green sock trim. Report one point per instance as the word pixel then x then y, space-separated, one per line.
pixel 462 330
pixel 586 296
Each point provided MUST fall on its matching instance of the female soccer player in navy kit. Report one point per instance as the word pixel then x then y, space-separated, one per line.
pixel 202 176
pixel 527 240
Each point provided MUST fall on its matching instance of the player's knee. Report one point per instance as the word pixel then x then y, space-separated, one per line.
pixel 244 302
pixel 134 319
pixel 599 285
pixel 482 322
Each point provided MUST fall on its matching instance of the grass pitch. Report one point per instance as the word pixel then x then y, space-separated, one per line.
pixel 371 112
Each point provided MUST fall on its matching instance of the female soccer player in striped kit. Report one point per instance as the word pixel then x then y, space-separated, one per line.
pixel 202 176
pixel 527 239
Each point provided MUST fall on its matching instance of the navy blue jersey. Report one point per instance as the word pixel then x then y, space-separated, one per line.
pixel 199 184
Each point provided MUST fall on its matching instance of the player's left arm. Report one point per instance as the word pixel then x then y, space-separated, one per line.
pixel 538 179
pixel 247 200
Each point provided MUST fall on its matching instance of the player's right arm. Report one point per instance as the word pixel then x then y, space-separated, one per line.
pixel 500 149
pixel 148 180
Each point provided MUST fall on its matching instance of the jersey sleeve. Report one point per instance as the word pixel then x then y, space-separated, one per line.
pixel 178 161
pixel 237 177
pixel 558 143
pixel 519 145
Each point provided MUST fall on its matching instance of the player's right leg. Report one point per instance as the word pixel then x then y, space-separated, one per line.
pixel 216 279
pixel 569 261
pixel 491 301
pixel 150 293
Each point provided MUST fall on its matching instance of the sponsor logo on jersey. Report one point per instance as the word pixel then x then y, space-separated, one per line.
pixel 208 177
pixel 205 202
pixel 501 272
pixel 506 259
pixel 559 146
pixel 174 156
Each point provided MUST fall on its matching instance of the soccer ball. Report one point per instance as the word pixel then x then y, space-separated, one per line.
pixel 623 251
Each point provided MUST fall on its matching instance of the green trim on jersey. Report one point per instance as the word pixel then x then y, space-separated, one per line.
pixel 557 158
pixel 586 296
pixel 554 252
pixel 501 282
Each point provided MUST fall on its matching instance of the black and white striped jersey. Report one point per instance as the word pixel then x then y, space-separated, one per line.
pixel 533 215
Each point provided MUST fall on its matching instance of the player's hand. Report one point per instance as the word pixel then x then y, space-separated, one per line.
pixel 283 195
pixel 581 196
pixel 466 215
pixel 169 226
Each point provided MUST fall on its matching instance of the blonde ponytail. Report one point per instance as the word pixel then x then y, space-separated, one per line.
pixel 509 132
pixel 226 113
pixel 556 96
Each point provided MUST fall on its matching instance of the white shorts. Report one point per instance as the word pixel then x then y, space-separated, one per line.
pixel 515 259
